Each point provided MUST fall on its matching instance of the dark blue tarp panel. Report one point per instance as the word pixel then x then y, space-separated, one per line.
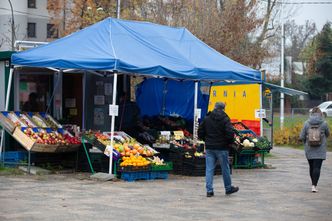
pixel 169 98
pixel 137 47
pixel 149 97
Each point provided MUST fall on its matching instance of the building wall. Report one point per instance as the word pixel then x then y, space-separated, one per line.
pixel 22 15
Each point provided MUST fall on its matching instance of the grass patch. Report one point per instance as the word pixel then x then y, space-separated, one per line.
pixel 10 171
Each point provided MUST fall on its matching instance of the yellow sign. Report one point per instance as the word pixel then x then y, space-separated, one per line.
pixel 178 135
pixel 267 93
pixel 241 100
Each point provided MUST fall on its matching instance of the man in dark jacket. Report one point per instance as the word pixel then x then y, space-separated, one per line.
pixel 217 132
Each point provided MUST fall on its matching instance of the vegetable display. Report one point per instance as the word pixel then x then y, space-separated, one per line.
pixel 248 139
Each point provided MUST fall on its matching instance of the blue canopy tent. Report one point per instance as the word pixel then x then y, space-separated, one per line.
pixel 134 47
pixel 137 47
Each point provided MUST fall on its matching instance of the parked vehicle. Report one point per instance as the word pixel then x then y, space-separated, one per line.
pixel 326 108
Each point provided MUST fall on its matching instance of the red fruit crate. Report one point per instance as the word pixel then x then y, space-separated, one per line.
pixel 253 125
pixel 239 126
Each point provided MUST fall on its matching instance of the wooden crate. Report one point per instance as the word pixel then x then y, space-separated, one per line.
pixel 23 139
pixel 31 145
pixel 68 148
pixel 54 124
pixel 40 123
pixel 7 124
pixel 44 148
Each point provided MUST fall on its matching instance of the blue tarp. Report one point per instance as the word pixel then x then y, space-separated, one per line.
pixel 169 98
pixel 137 47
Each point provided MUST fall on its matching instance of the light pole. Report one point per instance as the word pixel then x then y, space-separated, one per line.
pixel 118 3
pixel 282 75
pixel 12 25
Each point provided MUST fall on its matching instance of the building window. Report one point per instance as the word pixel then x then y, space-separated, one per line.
pixel 52 31
pixel 31 3
pixel 31 30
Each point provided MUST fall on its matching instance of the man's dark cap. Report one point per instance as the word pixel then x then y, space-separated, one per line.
pixel 219 106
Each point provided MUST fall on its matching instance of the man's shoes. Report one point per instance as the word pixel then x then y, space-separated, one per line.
pixel 209 194
pixel 233 189
pixel 314 189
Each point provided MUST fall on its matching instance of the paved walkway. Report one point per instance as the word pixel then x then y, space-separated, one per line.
pixel 276 194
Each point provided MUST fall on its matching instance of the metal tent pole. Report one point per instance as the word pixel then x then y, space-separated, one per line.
pixel 261 107
pixel 6 107
pixel 113 122
pixel 83 103
pixel 195 126
pixel 272 120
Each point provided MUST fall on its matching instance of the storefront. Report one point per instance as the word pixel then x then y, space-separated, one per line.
pixel 62 95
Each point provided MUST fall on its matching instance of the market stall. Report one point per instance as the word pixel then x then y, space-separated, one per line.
pixel 38 132
pixel 113 46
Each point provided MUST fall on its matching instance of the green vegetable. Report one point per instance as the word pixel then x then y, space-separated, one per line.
pixel 263 143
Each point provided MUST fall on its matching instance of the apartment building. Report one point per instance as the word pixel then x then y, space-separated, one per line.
pixel 31 22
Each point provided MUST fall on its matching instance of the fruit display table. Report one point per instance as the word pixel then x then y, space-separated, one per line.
pixel 132 160
pixel 38 132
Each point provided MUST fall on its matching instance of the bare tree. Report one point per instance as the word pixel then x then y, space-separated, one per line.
pixel 297 37
pixel 13 37
pixel 8 39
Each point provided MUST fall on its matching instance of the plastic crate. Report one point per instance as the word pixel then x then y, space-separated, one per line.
pixel 133 176
pixel 257 130
pixel 195 160
pixel 241 124
pixel 158 175
pixel 168 166
pixel 133 168
pixel 248 133
pixel 253 125
pixel 15 156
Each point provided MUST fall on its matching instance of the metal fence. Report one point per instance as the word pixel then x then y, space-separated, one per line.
pixel 292 112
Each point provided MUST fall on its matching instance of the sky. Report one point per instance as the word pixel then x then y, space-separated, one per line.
pixel 318 13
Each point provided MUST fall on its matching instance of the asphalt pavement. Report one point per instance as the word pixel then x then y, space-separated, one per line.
pixel 280 193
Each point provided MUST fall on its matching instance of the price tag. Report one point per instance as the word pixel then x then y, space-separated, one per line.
pixel 260 113
pixel 198 113
pixel 113 110
pixel 108 150
pixel 166 135
pixel 178 135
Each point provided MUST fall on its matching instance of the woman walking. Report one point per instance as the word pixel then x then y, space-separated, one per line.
pixel 314 134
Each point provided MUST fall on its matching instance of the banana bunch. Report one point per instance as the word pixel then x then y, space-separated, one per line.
pixel 157 161
pixel 198 154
